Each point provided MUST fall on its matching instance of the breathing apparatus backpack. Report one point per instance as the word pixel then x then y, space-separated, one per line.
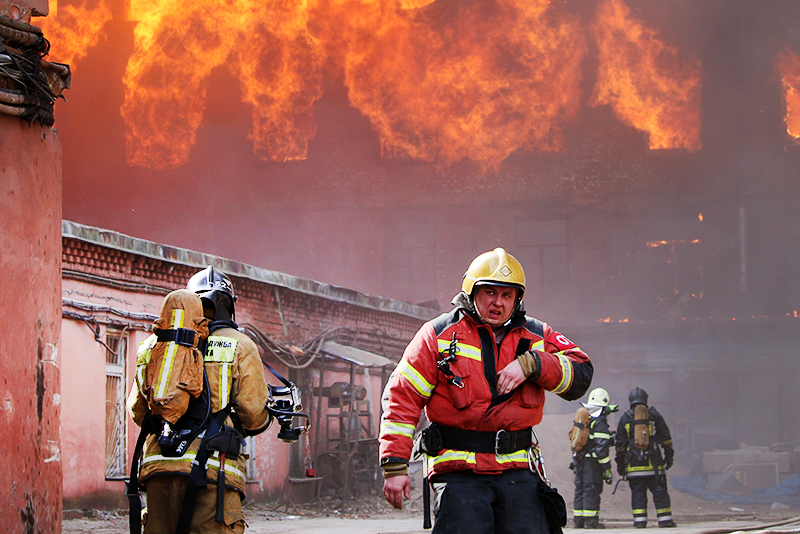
pixel 170 365
pixel 579 433
pixel 640 429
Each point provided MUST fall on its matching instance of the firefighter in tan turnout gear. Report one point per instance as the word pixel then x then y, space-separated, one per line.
pixel 591 461
pixel 644 453
pixel 480 373
pixel 233 380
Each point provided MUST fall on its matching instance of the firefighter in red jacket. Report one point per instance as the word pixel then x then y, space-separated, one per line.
pixel 480 372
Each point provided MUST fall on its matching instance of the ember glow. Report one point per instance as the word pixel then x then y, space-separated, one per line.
pixel 647 82
pixel 789 68
pixel 439 82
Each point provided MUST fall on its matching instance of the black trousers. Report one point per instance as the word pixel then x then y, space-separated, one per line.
pixel 506 503
pixel 657 485
pixel 588 488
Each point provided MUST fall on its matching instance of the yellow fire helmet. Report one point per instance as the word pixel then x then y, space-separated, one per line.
pixel 497 267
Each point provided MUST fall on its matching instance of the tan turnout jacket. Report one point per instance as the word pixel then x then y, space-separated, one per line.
pixel 235 375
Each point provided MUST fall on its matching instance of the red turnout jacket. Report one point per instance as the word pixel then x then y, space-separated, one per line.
pixel 417 383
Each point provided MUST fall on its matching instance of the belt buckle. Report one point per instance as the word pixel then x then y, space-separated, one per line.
pixel 501 435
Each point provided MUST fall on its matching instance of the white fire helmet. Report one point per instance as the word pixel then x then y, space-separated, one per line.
pixel 598 399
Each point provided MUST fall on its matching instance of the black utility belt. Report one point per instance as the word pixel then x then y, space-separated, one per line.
pixel 437 437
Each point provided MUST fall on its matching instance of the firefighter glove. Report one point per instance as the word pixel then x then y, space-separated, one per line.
pixel 529 361
pixel 669 455
pixel 607 476
pixel 621 469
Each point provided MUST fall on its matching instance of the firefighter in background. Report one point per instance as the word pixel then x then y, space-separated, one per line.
pixel 480 372
pixel 236 379
pixel 643 454
pixel 592 463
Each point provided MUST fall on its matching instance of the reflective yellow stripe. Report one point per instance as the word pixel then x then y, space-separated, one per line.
pixel 663 511
pixel 166 370
pixel 454 456
pixel 143 352
pixel 224 385
pixel 397 429
pixel 449 455
pixel 518 456
pixel 169 357
pixel 539 345
pixel 229 469
pixel 413 376
pixel 605 460
pixel 601 435
pixel 566 373
pixel 462 349
pixel 189 457
pixel 177 318
pixel 222 350
pixel 143 358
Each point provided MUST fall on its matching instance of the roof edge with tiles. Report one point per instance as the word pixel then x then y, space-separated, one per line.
pixel 182 256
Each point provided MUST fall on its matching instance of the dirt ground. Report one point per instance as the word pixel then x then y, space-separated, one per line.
pixel 370 514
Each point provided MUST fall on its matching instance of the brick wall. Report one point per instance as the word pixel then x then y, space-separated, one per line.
pixel 282 314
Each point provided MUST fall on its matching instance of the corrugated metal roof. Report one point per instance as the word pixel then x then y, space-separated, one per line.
pixel 354 355
pixel 134 245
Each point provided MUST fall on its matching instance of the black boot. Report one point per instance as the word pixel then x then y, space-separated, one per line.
pixel 667 524
pixel 577 522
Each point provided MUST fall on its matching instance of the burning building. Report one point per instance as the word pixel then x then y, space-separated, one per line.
pixel 639 158
pixel 576 133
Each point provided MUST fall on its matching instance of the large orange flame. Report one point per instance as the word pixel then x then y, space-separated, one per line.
pixel 72 30
pixel 264 44
pixel 440 81
pixel 490 78
pixel 647 82
pixel 789 67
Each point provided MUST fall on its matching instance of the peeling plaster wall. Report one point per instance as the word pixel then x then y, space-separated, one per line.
pixel 30 241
